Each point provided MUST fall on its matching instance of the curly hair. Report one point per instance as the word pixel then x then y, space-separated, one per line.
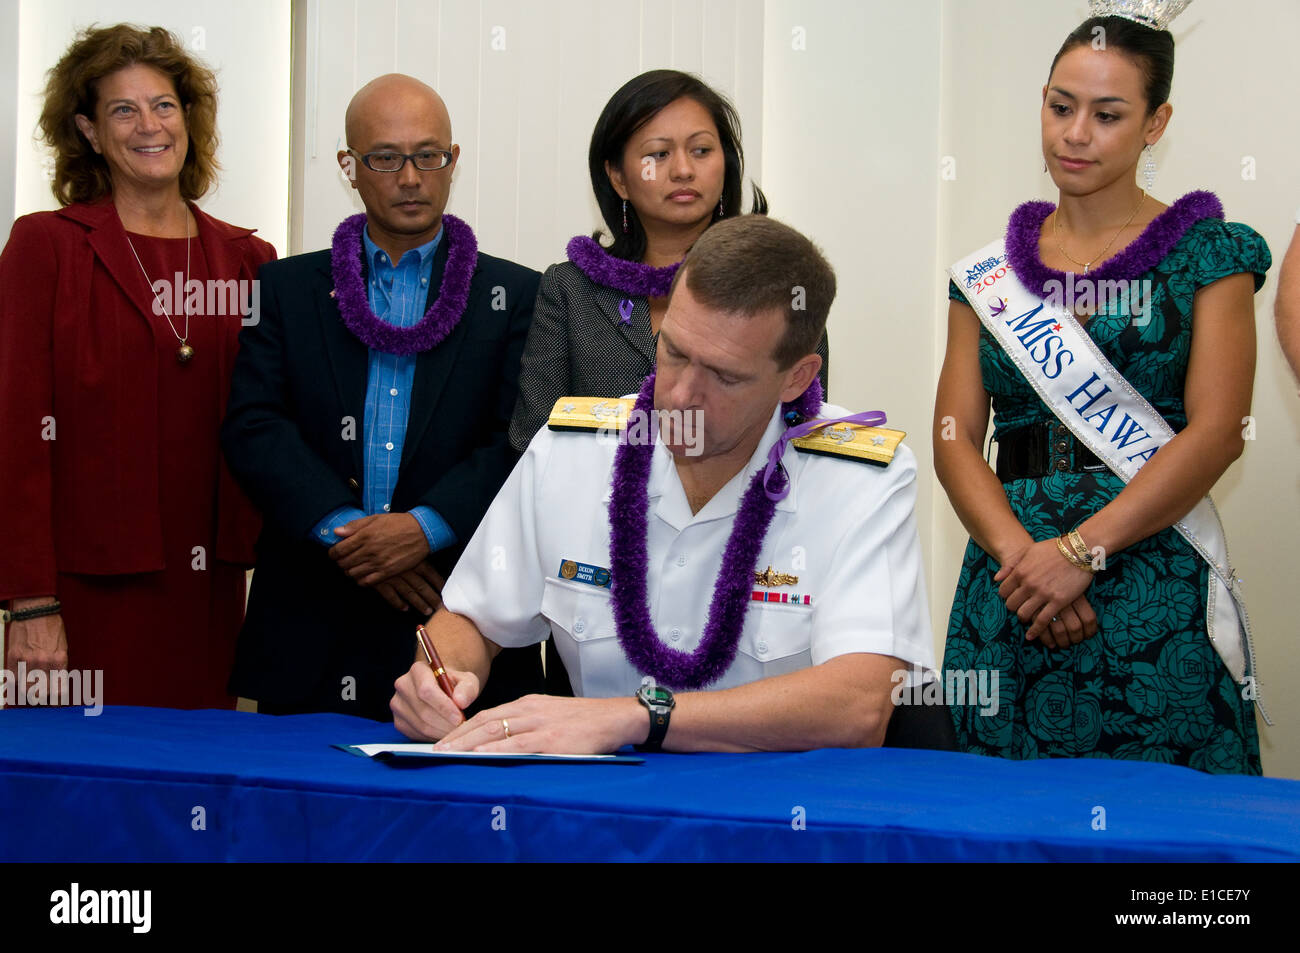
pixel 80 173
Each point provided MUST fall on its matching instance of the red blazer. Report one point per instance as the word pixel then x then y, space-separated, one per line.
pixel 88 501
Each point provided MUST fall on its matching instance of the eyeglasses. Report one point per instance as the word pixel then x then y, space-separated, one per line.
pixel 426 160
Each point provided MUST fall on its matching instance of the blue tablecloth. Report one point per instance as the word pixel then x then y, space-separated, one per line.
pixel 155 784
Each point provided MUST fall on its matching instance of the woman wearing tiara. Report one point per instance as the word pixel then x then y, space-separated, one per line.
pixel 666 163
pixel 1109 326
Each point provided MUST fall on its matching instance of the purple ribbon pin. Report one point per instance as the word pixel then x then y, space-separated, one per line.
pixel 775 483
pixel 625 309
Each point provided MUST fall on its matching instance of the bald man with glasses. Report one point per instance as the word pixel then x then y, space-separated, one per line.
pixel 368 420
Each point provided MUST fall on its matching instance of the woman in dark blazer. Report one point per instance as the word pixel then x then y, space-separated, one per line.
pixel 665 163
pixel 126 540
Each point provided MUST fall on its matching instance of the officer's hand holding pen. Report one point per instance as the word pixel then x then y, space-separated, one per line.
pixel 428 705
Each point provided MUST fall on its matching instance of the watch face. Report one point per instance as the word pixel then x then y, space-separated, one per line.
pixel 656 695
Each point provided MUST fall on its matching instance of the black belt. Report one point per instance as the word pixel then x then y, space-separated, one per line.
pixel 1041 449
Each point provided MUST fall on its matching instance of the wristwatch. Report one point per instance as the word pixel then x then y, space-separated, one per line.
pixel 659 702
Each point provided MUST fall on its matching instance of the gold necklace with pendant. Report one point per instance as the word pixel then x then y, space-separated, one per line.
pixel 184 352
pixel 1056 229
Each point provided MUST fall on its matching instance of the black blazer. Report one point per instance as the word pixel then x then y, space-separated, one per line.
pixel 297 394
pixel 579 346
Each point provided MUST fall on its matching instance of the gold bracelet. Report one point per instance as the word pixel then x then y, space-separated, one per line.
pixel 1075 561
pixel 1080 546
pixel 1066 552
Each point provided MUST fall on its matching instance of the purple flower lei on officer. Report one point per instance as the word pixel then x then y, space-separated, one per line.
pixel 629 277
pixel 1143 254
pixel 443 315
pixel 628 508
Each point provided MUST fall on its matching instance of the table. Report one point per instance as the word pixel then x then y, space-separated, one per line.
pixel 145 784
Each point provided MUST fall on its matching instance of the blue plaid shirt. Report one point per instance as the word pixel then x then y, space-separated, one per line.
pixel 397 295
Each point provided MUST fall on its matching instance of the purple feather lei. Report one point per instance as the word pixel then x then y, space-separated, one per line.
pixel 629 277
pixel 628 508
pixel 443 315
pixel 1143 254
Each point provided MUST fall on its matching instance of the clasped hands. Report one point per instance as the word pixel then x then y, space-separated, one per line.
pixel 387 551
pixel 1046 592
pixel 532 724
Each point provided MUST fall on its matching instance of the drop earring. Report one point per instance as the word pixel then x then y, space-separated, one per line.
pixel 722 212
pixel 625 216
pixel 1149 169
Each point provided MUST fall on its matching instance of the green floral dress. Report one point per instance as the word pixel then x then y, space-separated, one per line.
pixel 1149 686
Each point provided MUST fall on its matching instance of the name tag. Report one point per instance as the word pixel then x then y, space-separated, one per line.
pixel 575 571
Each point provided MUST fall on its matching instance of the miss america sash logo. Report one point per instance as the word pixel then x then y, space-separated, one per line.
pixel 1105 413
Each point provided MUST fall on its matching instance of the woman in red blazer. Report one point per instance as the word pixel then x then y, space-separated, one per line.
pixel 125 537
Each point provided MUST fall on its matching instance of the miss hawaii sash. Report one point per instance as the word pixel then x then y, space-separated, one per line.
pixel 1106 414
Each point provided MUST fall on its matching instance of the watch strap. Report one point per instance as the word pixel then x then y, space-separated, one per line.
pixel 659 718
pixel 31 612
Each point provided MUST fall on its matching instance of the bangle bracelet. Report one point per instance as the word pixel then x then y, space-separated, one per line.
pixel 1074 559
pixel 1080 546
pixel 31 612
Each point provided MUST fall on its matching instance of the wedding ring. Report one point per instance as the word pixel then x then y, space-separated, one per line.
pixel 506 725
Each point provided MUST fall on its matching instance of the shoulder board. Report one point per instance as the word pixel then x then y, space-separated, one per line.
pixel 874 445
pixel 590 414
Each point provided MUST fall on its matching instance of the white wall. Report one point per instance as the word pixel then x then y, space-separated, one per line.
pixel 245 41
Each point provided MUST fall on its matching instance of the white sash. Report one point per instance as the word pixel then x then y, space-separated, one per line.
pixel 1106 414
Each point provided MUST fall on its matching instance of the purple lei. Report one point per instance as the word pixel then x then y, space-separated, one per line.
pixel 443 315
pixel 628 508
pixel 629 277
pixel 1143 254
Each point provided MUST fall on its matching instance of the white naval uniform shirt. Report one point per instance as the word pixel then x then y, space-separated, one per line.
pixel 847 530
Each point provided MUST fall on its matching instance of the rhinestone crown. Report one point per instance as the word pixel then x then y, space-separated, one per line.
pixel 1156 14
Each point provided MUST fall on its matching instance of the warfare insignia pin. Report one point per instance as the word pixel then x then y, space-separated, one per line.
pixel 770 578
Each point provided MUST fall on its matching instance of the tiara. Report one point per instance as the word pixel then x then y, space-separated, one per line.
pixel 1156 14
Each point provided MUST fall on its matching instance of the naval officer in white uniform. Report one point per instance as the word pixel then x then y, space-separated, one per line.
pixel 791 642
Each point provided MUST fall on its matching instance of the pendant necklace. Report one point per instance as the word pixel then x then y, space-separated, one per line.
pixel 184 352
pixel 1056 230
